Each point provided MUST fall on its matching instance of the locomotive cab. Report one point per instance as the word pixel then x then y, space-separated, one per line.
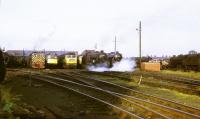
pixel 68 60
pixel 51 60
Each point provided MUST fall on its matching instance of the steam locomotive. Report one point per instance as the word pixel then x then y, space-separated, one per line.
pixel 92 57
pixel 114 57
pixel 100 58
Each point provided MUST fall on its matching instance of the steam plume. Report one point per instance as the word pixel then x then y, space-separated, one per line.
pixel 124 65
pixel 44 39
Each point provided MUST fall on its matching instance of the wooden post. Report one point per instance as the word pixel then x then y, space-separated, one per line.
pixel 140 80
pixel 30 78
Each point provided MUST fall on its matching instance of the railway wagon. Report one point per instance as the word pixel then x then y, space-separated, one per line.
pixel 37 60
pixel 68 60
pixel 51 60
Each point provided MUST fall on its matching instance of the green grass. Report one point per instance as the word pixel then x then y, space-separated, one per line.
pixel 7 101
pixel 187 99
pixel 190 74
pixel 190 100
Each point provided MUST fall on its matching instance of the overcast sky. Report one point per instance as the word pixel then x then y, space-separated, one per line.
pixel 168 26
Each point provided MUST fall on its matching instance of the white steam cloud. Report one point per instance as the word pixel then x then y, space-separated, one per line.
pixel 124 65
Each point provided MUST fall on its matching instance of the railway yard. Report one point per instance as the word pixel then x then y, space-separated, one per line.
pixel 99 59
pixel 78 93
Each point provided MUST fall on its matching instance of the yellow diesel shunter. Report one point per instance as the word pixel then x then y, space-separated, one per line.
pixel 37 60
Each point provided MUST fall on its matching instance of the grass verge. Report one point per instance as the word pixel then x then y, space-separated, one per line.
pixel 190 74
pixel 186 99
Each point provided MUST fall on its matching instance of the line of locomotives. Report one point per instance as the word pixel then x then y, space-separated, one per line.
pixel 185 62
pixel 67 60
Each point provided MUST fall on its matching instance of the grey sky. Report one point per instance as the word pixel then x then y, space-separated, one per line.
pixel 169 26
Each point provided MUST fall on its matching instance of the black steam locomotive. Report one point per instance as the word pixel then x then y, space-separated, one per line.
pixel 114 57
pixel 100 58
pixel 92 57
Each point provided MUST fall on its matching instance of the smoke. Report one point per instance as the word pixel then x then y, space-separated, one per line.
pixel 126 64
pixel 45 38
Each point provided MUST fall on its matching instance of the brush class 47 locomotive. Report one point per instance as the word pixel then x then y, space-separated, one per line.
pixel 51 60
pixel 68 60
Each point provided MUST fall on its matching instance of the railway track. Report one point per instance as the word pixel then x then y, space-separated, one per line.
pixel 114 100
pixel 194 82
pixel 178 85
pixel 171 78
pixel 168 108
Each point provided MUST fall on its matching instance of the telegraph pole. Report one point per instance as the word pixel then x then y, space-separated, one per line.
pixel 140 35
pixel 24 58
pixel 115 44
pixel 140 42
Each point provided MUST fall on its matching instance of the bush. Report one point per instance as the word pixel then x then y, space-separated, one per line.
pixel 185 62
